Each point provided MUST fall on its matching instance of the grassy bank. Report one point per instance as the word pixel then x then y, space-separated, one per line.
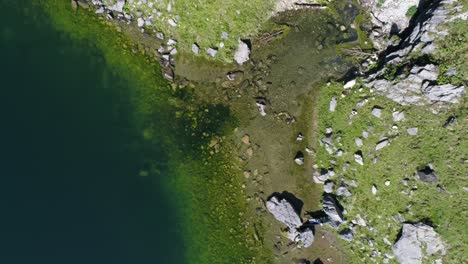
pixel 201 180
pixel 203 22
pixel 392 169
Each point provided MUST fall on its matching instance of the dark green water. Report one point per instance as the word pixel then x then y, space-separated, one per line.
pixel 70 156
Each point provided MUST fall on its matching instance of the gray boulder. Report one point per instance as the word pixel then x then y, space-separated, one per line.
pixel 332 210
pixel 416 241
pixel 343 191
pixel 305 238
pixel 284 212
pixel 328 187
pixel 346 234
pixel 446 93
pixel 427 174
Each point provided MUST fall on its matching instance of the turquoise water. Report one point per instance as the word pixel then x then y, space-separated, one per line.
pixel 71 155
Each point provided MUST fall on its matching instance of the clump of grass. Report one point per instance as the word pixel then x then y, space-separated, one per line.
pixel 444 203
pixel 411 11
pixel 452 53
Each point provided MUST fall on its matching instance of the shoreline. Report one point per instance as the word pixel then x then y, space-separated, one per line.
pixel 265 165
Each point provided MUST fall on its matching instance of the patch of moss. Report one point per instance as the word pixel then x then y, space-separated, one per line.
pixel 411 11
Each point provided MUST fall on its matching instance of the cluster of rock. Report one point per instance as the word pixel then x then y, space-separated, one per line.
pixel 147 13
pixel 418 85
pixel 338 188
pixel 388 17
pixel 284 212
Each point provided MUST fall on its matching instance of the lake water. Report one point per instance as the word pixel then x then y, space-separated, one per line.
pixel 70 155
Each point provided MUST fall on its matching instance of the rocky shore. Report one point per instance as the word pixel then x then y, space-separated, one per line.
pixel 356 162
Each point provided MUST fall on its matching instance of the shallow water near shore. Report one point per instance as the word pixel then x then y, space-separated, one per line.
pixel 73 188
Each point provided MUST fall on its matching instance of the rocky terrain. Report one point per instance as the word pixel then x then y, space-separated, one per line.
pixel 378 159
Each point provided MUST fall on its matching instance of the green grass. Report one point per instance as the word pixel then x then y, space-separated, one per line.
pixel 452 52
pixel 445 148
pixel 411 11
pixel 203 21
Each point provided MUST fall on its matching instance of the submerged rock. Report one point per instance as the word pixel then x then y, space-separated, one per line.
pixel 416 241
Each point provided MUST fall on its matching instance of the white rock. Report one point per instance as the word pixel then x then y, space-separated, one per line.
pixel 365 134
pixel 118 6
pixel 328 187
pixel 359 221
pixel 374 190
pixel 195 48
pixel 160 35
pixel 412 131
pixel 171 42
pixel 350 84
pixel 333 103
pixel 387 183
pixel 398 116
pixel 382 144
pixel 358 142
pixel 172 22
pixel 140 22
pixel 377 112
pixel 358 158
pixel 212 52
pixel 242 53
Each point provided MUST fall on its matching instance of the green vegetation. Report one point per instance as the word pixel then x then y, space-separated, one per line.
pixel 203 21
pixel 452 53
pixel 412 11
pixel 213 218
pixel 446 147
